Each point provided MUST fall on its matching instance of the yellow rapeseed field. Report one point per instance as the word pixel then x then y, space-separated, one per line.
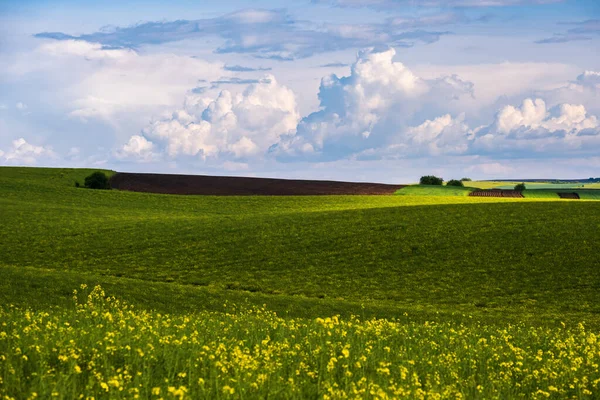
pixel 105 349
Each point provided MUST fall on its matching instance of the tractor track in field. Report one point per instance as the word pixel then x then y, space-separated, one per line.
pixel 242 186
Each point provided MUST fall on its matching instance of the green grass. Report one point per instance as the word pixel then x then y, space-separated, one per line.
pixel 434 190
pixel 592 194
pixel 540 194
pixel 469 288
pixel 584 194
pixel 487 257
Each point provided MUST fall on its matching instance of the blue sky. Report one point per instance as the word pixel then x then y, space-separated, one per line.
pixel 374 90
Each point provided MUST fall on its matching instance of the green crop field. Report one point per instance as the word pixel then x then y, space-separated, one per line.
pixel 531 185
pixel 431 190
pixel 420 296
pixel 540 194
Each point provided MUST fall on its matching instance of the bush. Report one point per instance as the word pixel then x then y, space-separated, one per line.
pixel 431 180
pixel 520 187
pixel 97 180
pixel 466 179
pixel 454 182
pixel 77 184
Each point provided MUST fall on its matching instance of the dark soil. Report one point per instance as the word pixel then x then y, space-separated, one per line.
pixel 496 193
pixel 231 186
pixel 572 196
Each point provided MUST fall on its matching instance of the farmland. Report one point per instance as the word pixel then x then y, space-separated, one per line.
pixel 240 271
pixel 431 190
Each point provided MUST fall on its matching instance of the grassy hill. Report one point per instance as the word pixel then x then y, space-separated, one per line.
pixel 390 254
pixel 239 297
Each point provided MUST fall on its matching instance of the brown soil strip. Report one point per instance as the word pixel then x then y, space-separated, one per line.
pixel 572 196
pixel 496 193
pixel 239 186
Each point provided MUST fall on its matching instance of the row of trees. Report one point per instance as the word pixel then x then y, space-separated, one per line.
pixel 435 180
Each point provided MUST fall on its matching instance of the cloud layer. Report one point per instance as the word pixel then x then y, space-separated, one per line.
pixel 268 34
pixel 392 4
pixel 382 110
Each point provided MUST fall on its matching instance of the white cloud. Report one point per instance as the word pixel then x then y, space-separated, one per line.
pixel 23 153
pixel 374 107
pixel 533 127
pixel 120 87
pixel 534 115
pixel 222 125
pixel 21 106
pixel 530 115
pixel 384 110
pixel 589 78
pixel 584 90
pixel 443 135
pixel 137 148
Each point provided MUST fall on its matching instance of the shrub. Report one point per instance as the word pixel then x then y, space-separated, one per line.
pixel 520 187
pixel 77 184
pixel 466 179
pixel 454 182
pixel 97 180
pixel 431 180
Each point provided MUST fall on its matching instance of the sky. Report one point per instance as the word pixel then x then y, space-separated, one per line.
pixel 373 90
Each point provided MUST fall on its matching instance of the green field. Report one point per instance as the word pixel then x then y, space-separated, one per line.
pixel 433 190
pixel 531 185
pixel 540 194
pixel 480 266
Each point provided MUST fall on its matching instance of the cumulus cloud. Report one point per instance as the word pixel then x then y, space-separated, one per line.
pixel 585 89
pixel 266 34
pixel 223 125
pixel 375 107
pixel 138 148
pixel 534 127
pixel 384 110
pixel 23 153
pixel 443 135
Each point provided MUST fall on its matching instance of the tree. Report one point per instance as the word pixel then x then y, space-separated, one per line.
pixel 97 180
pixel 520 187
pixel 454 182
pixel 466 179
pixel 431 180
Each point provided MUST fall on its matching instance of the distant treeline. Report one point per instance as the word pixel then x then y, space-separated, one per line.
pixel 557 181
